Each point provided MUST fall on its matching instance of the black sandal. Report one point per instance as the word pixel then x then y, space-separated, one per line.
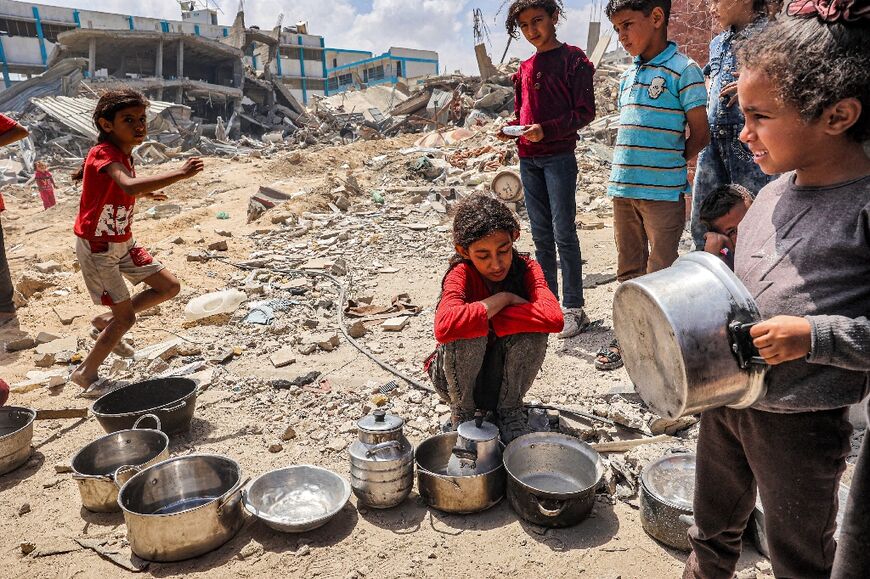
pixel 612 354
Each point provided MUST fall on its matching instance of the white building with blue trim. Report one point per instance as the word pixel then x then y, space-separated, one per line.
pixel 31 33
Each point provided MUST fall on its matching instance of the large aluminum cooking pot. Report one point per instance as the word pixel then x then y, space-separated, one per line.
pixel 172 400
pixel 104 465
pixel 684 333
pixel 454 494
pixel 16 434
pixel 552 478
pixel 182 507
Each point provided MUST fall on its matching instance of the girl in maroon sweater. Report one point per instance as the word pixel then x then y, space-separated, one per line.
pixel 493 319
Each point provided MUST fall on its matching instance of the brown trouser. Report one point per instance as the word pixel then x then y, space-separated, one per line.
pixel 796 460
pixel 647 234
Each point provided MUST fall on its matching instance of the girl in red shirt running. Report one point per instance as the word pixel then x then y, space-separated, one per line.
pixel 105 246
pixel 493 319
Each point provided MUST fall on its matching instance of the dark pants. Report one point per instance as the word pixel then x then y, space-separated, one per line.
pixel 796 460
pixel 549 184
pixel 476 374
pixel 6 288
pixel 853 546
pixel 725 160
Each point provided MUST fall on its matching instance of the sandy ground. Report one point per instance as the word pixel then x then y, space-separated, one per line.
pixel 406 541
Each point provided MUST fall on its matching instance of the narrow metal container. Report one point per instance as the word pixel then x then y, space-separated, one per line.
pixel 381 461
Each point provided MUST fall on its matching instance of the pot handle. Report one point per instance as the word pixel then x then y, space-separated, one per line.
pixel 383 446
pixel 143 417
pixel 550 512
pixel 741 345
pixel 178 406
pixel 121 470
pixel 236 489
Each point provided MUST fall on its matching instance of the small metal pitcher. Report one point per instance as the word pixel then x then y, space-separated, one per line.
pixel 381 461
pixel 477 448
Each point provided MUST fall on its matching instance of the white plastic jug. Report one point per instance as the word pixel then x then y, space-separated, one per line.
pixel 222 302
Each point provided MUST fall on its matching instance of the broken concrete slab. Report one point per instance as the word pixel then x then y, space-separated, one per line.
pixel 283 357
pixel 67 344
pixel 396 324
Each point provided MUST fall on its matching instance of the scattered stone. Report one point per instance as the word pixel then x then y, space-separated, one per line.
pixel 441 409
pixel 307 349
pixel 222 355
pixel 66 316
pixel 177 241
pixel 223 232
pixel 310 323
pixel 276 447
pixel 218 246
pixel 27 547
pixel 32 282
pixel 357 330
pixel 198 256
pixel 323 340
pixel 289 434
pixel 62 468
pixel 48 267
pixel 303 550
pixel 45 337
pixel 396 324
pixel 764 566
pixel 20 344
pixel 337 444
pixel 283 357
pixel 252 549
pixel 297 382
pixel 23 509
pixel 339 268
pixel 49 484
pixel 68 344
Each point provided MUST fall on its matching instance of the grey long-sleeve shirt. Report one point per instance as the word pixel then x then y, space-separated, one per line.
pixel 805 251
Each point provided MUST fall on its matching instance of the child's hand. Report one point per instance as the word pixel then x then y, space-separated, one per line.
pixel 782 338
pixel 515 300
pixel 191 167
pixel 157 196
pixel 730 90
pixel 715 242
pixel 534 134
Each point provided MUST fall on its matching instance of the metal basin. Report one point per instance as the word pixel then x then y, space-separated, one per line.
pixel 454 494
pixel 182 507
pixel 104 465
pixel 552 478
pixel 673 326
pixel 172 400
pixel 16 434
pixel 296 499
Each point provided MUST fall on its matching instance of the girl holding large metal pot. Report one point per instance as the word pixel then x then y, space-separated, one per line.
pixel 804 256
pixel 493 319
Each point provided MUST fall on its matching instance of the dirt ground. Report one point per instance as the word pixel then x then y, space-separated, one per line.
pixel 240 418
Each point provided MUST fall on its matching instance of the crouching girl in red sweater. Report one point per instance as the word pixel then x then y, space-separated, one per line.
pixel 493 319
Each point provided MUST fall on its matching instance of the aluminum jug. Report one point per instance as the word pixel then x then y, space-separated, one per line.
pixel 381 461
pixel 477 449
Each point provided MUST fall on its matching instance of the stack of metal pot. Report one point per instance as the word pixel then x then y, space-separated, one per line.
pixel 381 461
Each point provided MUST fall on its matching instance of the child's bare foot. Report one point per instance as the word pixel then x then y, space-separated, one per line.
pixel 79 378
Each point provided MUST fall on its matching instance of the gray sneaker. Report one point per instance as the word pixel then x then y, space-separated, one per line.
pixel 512 424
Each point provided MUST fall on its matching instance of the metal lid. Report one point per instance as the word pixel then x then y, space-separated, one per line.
pixel 477 431
pixel 380 421
pixel 671 479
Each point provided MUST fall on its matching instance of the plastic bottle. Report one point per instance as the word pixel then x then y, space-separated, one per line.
pixel 212 304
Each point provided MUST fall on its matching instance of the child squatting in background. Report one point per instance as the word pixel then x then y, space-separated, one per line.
pixel 726 160
pixel 803 254
pixel 105 246
pixel 493 318
pixel 553 99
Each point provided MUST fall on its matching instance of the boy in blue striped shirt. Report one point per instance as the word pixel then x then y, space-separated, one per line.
pixel 661 95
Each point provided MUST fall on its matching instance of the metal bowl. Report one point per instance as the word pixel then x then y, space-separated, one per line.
pixel 297 498
pixel 16 434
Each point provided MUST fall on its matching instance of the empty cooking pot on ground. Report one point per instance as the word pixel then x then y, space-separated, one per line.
pixel 552 478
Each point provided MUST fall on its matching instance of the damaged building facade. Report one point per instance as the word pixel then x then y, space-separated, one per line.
pixel 171 58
